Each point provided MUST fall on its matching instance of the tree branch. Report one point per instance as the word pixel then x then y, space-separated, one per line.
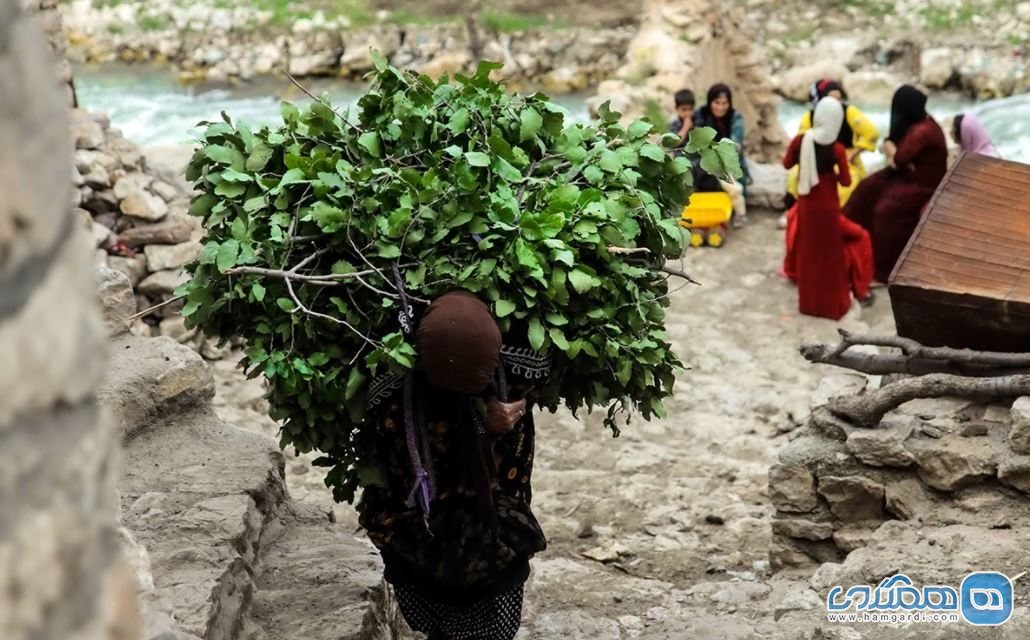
pixel 679 274
pixel 915 358
pixel 866 410
pixel 315 314
pixel 886 364
pixel 627 251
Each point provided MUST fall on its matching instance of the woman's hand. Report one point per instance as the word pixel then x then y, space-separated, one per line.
pixel 889 149
pixel 501 417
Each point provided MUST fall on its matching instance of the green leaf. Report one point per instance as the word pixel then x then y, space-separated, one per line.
pixel 259 157
pixel 258 291
pixel 459 122
pixel 504 308
pixel 369 141
pixel 610 161
pixel 700 138
pixel 638 129
pixel 653 152
pixel 531 124
pixel 477 159
pixel 504 169
pixel 230 156
pixel 255 204
pixel 558 338
pixel 536 334
pixel 227 254
pixel 230 189
pixel 286 304
pixel 593 174
pixel 581 281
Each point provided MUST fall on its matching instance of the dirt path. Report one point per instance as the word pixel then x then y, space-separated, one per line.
pixel 679 506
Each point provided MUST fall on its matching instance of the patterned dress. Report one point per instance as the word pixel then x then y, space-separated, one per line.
pixel 458 571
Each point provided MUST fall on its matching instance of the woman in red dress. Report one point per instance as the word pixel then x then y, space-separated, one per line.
pixel 889 202
pixel 816 258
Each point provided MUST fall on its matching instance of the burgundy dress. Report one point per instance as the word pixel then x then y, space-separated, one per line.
pixel 889 202
pixel 819 266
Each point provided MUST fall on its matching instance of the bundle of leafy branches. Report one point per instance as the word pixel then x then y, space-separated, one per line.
pixel 321 232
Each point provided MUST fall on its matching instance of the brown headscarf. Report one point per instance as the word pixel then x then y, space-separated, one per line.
pixel 459 343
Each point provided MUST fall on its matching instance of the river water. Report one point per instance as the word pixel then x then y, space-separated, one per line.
pixel 151 108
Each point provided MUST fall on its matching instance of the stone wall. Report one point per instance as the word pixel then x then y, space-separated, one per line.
pixel 932 463
pixel 206 42
pixel 62 576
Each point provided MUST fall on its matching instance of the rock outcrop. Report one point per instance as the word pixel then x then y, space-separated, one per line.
pixel 219 549
pixel 62 576
pixel 683 43
pixel 932 463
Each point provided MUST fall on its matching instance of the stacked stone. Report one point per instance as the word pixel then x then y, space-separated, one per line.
pixel 690 44
pixel 62 576
pixel 138 217
pixel 932 462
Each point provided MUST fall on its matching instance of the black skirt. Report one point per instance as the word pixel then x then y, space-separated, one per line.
pixel 494 618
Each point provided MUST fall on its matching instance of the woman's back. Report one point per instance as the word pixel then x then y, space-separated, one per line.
pixel 922 156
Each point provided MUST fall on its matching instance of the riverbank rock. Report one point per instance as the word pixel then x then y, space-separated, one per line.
pixel 935 462
pixel 872 86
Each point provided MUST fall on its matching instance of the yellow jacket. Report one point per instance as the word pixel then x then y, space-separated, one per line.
pixel 866 134
pixel 865 138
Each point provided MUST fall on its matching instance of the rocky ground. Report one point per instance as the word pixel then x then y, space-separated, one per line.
pixel 668 527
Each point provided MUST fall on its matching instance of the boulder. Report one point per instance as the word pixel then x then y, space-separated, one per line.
pixel 937 67
pixel 171 256
pixel 1015 472
pixel 843 384
pixel 449 62
pixel 908 500
pixel 803 529
pixel 792 488
pixel 134 268
pixel 799 600
pixel 162 283
pixel 953 462
pixel 144 205
pixel 1019 431
pixel 853 498
pixel 872 87
pixel 132 184
pixel 795 83
pixel 164 190
pixel 883 446
pixel 171 230
pixel 175 328
pixel 849 538
pixel 86 131
pixel 768 186
pixel 116 299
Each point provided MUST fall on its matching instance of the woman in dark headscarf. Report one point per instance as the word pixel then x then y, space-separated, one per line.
pixel 452 458
pixel 888 203
pixel 719 114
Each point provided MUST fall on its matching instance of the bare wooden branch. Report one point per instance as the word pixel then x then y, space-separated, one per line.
pixel 679 274
pixel 627 251
pixel 150 310
pixel 886 363
pixel 868 409
pixel 309 94
pixel 915 358
pixel 300 307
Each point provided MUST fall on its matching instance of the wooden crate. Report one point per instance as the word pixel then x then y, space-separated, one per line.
pixel 963 281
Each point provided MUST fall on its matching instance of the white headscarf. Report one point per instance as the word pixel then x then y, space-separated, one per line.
pixel 829 117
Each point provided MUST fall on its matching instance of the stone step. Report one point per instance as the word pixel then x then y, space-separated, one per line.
pixel 315 579
pixel 201 497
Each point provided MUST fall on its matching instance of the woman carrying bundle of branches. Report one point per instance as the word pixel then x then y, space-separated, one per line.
pixel 451 515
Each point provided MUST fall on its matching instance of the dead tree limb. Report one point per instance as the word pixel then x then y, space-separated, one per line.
pixel 889 363
pixel 868 409
pixel 915 358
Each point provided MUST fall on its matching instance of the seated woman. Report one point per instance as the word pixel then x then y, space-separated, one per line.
pixel 889 202
pixel 972 136
pixel 828 256
pixel 857 134
pixel 719 114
